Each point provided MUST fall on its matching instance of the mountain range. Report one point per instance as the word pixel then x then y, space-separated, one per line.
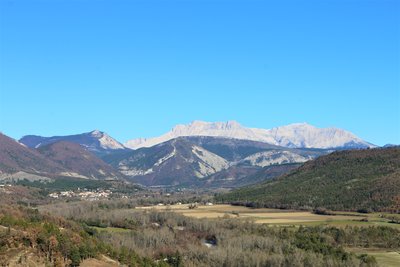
pixel 198 154
pixel 197 160
pixel 298 135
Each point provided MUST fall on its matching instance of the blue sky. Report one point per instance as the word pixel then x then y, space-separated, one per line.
pixel 137 68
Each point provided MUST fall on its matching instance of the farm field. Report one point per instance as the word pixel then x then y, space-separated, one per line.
pixel 383 257
pixel 291 217
pixel 268 216
pixel 386 258
pixel 103 261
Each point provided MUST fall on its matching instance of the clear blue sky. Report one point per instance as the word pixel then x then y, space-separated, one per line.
pixel 137 68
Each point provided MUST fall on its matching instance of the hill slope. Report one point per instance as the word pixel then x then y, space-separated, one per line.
pixel 347 180
pixel 75 158
pixel 171 163
pixel 61 159
pixel 16 157
pixel 242 175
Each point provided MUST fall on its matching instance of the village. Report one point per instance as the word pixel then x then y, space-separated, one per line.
pixel 84 194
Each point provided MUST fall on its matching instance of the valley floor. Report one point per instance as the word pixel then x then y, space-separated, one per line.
pixel 276 216
pixel 385 258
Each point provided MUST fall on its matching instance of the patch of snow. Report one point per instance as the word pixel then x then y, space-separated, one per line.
pixel 96 133
pixel 133 171
pixel 209 163
pixel 106 141
pixel 167 157
pixel 22 144
pixel 275 157
pixel 73 174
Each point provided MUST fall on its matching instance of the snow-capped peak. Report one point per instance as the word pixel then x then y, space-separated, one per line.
pixel 308 136
pixel 296 135
pixel 230 129
pixel 106 141
pixel 96 133
pixel 206 127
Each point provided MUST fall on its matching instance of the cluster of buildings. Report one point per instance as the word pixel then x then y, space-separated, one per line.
pixel 3 188
pixel 86 195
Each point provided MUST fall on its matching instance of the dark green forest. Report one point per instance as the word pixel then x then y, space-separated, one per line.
pixel 356 180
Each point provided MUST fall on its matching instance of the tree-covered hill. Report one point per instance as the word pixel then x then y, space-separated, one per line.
pixel 30 238
pixel 347 180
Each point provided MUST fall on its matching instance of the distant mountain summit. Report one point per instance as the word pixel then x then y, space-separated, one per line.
pixel 95 141
pixel 298 135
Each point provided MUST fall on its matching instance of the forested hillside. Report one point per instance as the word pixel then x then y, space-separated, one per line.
pixel 346 180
